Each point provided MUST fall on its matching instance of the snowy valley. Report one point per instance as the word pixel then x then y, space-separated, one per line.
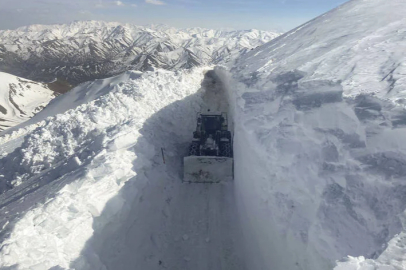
pixel 319 122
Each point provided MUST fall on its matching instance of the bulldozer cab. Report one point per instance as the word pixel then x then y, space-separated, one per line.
pixel 210 154
pixel 211 122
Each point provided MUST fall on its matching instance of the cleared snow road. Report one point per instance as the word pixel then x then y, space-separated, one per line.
pixel 170 224
pixel 108 201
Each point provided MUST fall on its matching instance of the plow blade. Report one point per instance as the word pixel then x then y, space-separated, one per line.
pixel 206 169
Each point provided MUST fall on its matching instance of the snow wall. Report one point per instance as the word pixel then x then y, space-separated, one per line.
pixel 275 222
pixel 319 142
pixel 266 245
pixel 318 176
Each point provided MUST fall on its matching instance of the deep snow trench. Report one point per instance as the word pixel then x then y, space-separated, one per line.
pixel 94 193
pixel 318 176
pixel 169 224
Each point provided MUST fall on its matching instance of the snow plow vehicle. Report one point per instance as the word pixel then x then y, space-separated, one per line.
pixel 210 157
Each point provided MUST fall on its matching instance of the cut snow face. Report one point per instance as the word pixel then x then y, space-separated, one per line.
pixel 319 145
pixel 89 189
pixel 20 99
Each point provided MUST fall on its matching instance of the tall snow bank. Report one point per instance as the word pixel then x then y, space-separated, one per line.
pixel 82 94
pixel 61 178
pixel 319 149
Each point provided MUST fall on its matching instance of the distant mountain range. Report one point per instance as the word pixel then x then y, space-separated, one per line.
pixel 88 50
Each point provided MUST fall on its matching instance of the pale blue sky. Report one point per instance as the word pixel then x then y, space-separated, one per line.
pixel 279 15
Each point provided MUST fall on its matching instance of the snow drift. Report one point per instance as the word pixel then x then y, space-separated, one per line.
pixel 319 141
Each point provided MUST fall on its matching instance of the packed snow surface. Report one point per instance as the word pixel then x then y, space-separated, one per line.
pixel 20 99
pixel 320 150
pixel 88 189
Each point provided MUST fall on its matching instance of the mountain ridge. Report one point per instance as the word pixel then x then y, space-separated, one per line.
pixel 87 50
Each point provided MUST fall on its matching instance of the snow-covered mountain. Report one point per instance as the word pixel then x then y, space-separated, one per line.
pixel 321 109
pixel 20 99
pixel 94 180
pixel 86 50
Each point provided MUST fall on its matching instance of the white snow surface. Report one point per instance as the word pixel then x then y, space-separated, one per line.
pixel 20 99
pixel 320 158
pixel 359 43
pixel 320 154
pixel 79 95
pixel 88 188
